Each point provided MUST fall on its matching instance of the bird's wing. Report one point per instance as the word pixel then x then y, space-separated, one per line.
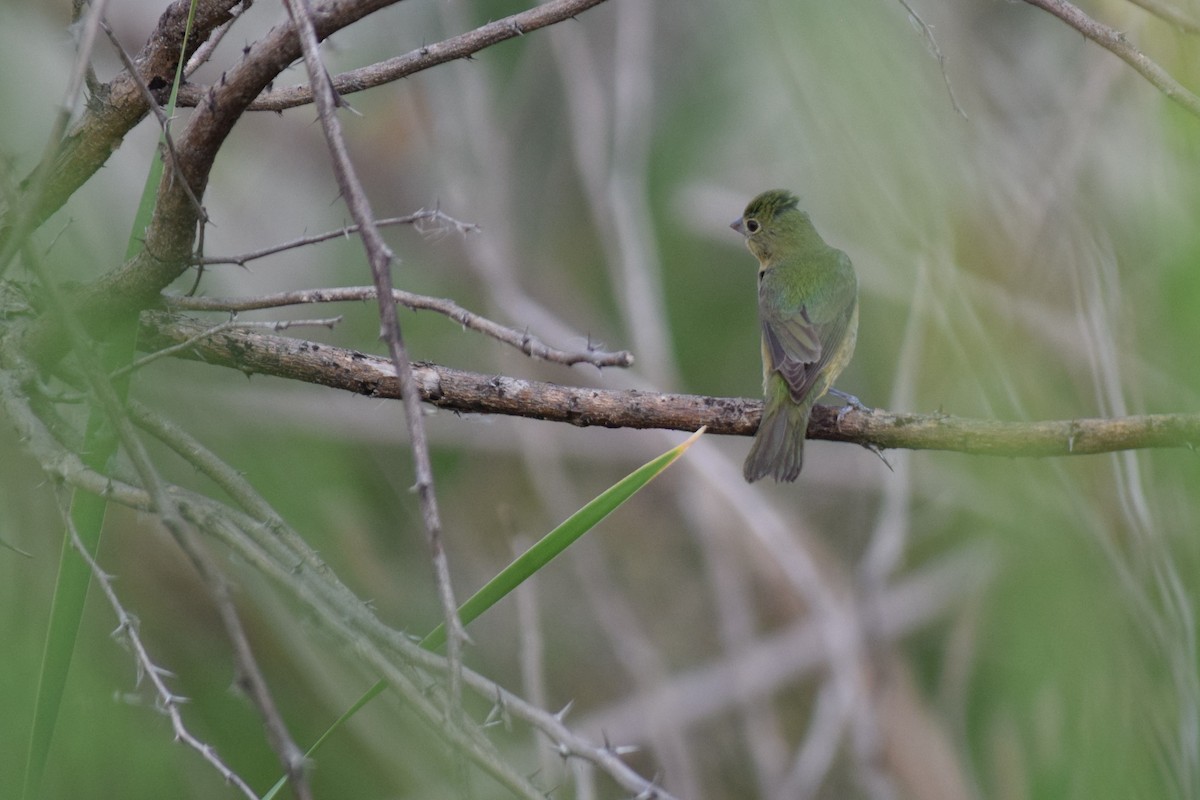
pixel 800 342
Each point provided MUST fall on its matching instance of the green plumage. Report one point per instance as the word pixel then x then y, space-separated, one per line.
pixel 808 310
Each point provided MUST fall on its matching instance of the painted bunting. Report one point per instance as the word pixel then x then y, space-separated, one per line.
pixel 808 309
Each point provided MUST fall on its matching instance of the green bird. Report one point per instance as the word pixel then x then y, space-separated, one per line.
pixel 808 309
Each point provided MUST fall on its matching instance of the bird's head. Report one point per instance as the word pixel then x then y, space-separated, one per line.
pixel 770 222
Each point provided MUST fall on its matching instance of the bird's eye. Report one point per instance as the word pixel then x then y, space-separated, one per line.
pixel 752 225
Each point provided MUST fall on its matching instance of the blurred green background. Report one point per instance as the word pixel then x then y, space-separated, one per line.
pixel 955 626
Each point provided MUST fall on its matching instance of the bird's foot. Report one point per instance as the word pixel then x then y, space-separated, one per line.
pixel 852 404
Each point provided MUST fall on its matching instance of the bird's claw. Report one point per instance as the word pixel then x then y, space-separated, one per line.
pixel 852 404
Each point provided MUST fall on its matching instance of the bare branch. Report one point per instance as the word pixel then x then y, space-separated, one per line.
pixel 527 343
pixel 456 47
pixel 380 259
pixel 1115 42
pixel 468 392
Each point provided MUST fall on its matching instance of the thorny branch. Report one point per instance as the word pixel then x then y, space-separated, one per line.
pixel 168 701
pixel 263 541
pixel 380 259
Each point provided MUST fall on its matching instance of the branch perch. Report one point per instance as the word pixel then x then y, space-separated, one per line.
pixel 473 393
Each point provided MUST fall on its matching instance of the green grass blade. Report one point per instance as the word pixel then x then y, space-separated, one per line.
pixel 87 510
pixel 557 540
pixel 539 555
pixel 367 697
pixel 66 610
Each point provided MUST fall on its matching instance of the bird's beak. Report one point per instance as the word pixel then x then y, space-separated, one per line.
pixel 738 226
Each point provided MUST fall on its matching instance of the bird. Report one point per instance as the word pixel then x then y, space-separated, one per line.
pixel 808 312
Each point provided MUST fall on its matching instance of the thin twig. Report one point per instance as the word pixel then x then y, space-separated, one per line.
pixel 468 392
pixel 527 343
pixel 168 701
pixel 435 216
pixel 1115 42
pixel 456 47
pixel 164 122
pixel 927 32
pixel 380 259
pixel 209 45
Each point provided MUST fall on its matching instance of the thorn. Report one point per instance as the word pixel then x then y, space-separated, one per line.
pixel 878 451
pixel 649 793
pixel 498 712
pixel 618 750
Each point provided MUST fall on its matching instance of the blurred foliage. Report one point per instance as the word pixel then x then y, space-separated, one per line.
pixel 1036 259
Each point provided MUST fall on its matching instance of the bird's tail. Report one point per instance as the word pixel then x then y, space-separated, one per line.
pixel 778 448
